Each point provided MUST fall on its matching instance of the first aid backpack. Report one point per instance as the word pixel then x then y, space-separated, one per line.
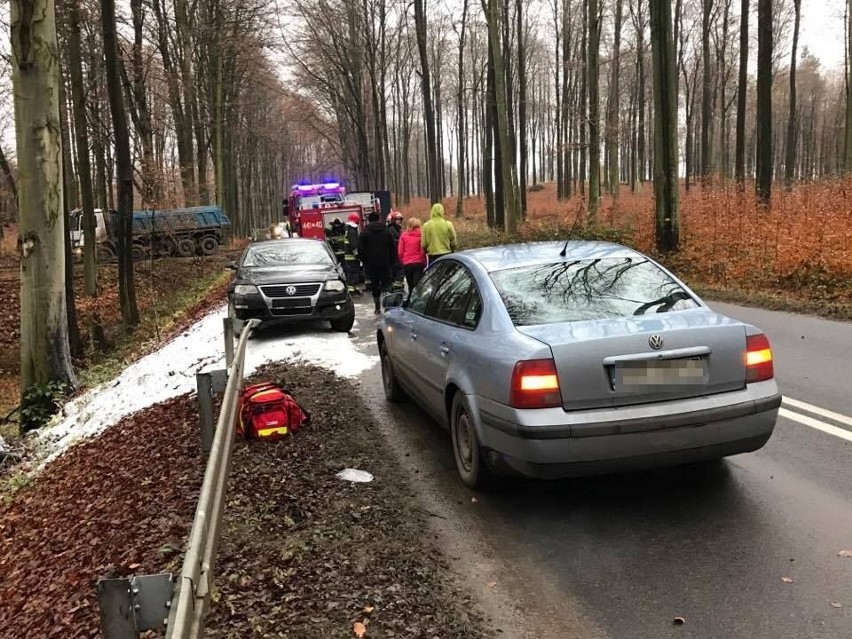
pixel 269 412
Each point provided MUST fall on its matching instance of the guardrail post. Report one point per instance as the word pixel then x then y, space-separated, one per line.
pixel 229 341
pixel 204 383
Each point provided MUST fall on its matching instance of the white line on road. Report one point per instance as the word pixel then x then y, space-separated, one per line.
pixel 817 424
pixel 816 410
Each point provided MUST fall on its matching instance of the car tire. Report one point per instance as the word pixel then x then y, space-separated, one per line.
pixel 185 247
pixel 393 390
pixel 237 324
pixel 472 468
pixel 343 324
pixel 209 245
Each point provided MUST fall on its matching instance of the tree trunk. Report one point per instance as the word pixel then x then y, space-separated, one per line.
pixel 432 169
pixel 742 88
pixel 506 172
pixel 522 110
pixel 460 114
pixel 594 112
pixel 790 156
pixel 764 102
pixel 81 130
pixel 665 127
pixel 706 94
pixel 613 125
pixel 7 174
pixel 45 353
pixel 124 168
pixel 847 150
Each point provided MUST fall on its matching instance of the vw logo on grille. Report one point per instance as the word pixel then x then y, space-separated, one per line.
pixel 290 290
pixel 655 342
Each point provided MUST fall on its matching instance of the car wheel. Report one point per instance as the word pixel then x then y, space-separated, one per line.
pixel 235 322
pixel 140 252
pixel 344 324
pixel 470 461
pixel 105 253
pixel 393 390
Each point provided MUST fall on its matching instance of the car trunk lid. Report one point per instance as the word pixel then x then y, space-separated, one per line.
pixel 624 361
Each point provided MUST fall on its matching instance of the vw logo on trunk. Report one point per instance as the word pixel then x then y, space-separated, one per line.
pixel 655 342
pixel 290 290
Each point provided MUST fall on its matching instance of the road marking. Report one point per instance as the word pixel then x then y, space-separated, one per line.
pixel 816 410
pixel 817 424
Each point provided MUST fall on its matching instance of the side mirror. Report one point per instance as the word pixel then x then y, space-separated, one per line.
pixel 393 300
pixel 232 265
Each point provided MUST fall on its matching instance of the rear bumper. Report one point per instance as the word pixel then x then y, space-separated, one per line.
pixel 552 443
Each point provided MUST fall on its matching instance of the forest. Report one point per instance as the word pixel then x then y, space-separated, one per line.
pixel 702 130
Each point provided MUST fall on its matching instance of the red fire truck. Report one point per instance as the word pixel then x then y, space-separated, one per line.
pixel 311 208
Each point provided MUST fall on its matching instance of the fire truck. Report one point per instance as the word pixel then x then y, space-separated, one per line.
pixel 311 208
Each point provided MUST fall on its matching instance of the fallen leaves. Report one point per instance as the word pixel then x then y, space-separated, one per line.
pixel 88 516
pixel 787 580
pixel 845 553
pixel 359 629
pixel 836 604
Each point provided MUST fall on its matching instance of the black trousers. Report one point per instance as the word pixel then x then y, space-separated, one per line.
pixel 380 280
pixel 413 273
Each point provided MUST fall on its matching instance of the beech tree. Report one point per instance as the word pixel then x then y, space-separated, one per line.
pixel 45 353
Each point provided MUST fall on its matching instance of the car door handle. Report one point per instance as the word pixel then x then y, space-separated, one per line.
pixel 444 350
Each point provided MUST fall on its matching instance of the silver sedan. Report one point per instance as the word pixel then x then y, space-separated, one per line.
pixel 564 359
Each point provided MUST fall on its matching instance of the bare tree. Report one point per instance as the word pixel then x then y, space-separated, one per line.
pixel 792 133
pixel 742 88
pixel 764 101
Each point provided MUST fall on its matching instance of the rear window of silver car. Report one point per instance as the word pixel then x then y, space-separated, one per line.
pixel 295 253
pixel 573 291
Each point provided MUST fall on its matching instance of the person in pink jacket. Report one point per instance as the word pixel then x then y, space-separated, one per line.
pixel 411 254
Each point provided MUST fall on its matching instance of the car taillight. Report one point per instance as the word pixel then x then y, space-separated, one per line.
pixel 535 384
pixel 759 366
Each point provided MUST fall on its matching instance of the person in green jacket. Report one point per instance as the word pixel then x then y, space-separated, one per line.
pixel 439 235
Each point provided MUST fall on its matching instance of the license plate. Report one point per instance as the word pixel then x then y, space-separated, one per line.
pixel 304 302
pixel 659 373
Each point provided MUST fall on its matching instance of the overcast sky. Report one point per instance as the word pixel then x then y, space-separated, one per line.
pixel 822 30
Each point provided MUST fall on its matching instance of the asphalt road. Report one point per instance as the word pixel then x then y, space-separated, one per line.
pixel 744 548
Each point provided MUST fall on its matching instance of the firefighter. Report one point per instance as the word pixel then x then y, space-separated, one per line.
pixel 335 233
pixel 351 264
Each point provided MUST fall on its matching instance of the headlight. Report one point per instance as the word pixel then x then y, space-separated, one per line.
pixel 245 289
pixel 335 285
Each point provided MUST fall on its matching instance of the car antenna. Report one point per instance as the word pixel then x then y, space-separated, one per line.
pixel 564 250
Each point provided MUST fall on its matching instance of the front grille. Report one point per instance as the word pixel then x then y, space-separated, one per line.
pixel 280 290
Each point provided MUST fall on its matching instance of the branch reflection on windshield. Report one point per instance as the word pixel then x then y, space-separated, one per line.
pixel 287 255
pixel 590 289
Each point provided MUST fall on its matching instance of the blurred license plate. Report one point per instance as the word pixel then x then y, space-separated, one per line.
pixel 663 372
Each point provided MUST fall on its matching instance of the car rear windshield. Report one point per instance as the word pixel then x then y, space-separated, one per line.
pixel 573 291
pixel 287 254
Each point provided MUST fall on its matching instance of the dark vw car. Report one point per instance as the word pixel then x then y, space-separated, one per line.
pixel 290 280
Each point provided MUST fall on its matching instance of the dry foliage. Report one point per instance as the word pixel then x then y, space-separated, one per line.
pixel 801 246
pixel 123 499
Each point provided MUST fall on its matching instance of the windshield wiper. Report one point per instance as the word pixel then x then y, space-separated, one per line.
pixel 666 302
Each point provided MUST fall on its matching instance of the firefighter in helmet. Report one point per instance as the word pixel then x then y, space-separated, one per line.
pixel 335 233
pixel 351 264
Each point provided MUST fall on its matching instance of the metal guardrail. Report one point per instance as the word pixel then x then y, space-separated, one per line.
pixel 132 605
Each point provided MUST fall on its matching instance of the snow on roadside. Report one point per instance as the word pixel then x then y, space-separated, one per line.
pixel 170 371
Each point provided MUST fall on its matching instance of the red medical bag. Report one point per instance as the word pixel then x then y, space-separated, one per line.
pixel 268 412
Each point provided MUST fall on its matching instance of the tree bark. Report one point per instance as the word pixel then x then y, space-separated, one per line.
pixel 522 109
pixel 847 150
pixel 124 168
pixel 742 88
pixel 612 128
pixel 432 169
pixel 764 102
pixel 594 112
pixel 45 352
pixel 706 94
pixel 506 166
pixel 461 114
pixel 81 130
pixel 790 155
pixel 665 127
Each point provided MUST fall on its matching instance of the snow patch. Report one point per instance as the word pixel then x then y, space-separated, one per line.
pixel 170 372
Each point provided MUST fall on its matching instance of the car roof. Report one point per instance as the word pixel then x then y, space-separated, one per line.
pixel 286 240
pixel 495 258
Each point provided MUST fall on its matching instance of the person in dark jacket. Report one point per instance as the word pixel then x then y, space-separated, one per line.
pixel 378 255
pixel 395 229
